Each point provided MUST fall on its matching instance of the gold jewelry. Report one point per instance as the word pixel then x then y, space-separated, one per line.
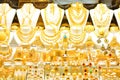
pixel 89 28
pixel 25 36
pixel 89 42
pixel 101 15
pixel 37 42
pixel 114 43
pixel 18 54
pixel 4 34
pixel 119 14
pixel 5 50
pixel 77 38
pixel 27 14
pixel 77 14
pixel 3 13
pixel 54 16
pixel 114 29
pixel 101 34
pixel 49 39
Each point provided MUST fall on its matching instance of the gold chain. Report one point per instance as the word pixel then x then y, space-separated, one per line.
pixel 49 39
pixel 4 14
pixel 27 16
pixel 77 16
pixel 100 22
pixel 119 14
pixel 77 38
pixel 26 37
pixel 53 11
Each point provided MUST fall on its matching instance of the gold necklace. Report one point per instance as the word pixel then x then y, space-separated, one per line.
pixel 49 39
pixel 4 14
pixel 77 13
pixel 77 38
pixel 27 15
pixel 103 19
pixel 58 16
pixel 119 14
pixel 25 37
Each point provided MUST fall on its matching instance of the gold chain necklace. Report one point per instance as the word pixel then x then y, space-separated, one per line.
pixel 104 17
pixel 77 38
pixel 58 16
pixel 27 15
pixel 4 14
pixel 119 14
pixel 49 39
pixel 26 37
pixel 80 17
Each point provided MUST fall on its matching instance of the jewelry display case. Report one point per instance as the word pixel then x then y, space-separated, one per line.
pixel 61 40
